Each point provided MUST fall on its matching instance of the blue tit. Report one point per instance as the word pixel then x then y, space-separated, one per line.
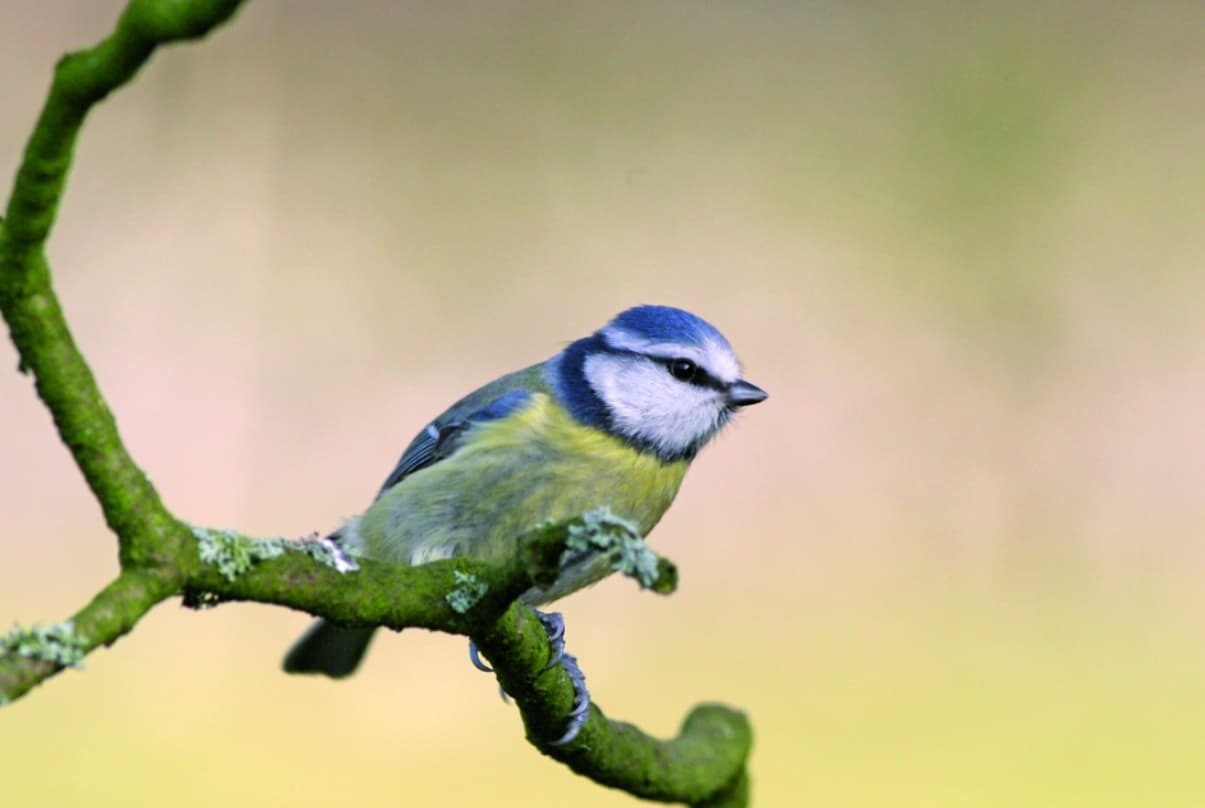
pixel 614 419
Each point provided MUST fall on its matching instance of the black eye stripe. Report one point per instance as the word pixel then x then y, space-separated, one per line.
pixel 699 378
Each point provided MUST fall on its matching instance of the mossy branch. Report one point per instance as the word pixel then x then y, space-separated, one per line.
pixel 162 557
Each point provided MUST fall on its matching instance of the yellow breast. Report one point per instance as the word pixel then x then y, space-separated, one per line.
pixel 508 476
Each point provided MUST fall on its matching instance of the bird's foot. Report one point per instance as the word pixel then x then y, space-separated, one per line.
pixel 554 627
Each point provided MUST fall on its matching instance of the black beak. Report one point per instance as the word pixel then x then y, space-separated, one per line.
pixel 742 394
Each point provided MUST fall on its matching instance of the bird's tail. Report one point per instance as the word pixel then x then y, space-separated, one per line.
pixel 328 649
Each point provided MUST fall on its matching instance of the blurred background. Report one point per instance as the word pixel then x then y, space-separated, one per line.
pixel 955 560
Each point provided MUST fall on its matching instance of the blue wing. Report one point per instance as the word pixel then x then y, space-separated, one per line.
pixel 442 437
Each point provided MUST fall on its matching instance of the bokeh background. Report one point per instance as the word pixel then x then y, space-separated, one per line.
pixel 957 559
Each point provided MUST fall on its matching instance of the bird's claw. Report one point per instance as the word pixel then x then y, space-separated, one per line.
pixel 475 658
pixel 581 700
pixel 554 627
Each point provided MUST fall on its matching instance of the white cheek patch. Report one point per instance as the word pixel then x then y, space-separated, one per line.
pixel 713 355
pixel 646 403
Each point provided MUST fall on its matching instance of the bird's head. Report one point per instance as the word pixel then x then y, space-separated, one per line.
pixel 660 378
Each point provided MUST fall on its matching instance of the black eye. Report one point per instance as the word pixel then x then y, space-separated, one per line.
pixel 683 369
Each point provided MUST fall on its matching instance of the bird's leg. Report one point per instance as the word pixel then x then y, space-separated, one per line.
pixel 554 627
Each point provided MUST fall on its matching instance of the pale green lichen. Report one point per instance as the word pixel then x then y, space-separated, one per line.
pixel 234 554
pixel 601 531
pixel 59 644
pixel 467 593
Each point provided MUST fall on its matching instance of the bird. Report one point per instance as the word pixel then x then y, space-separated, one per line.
pixel 614 419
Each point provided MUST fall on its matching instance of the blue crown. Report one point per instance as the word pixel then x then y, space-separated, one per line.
pixel 667 324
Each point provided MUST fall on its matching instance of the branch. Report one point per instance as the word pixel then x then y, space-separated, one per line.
pixel 705 762
pixel 150 540
pixel 64 382
pixel 706 757
pixel 162 557
pixel 29 657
